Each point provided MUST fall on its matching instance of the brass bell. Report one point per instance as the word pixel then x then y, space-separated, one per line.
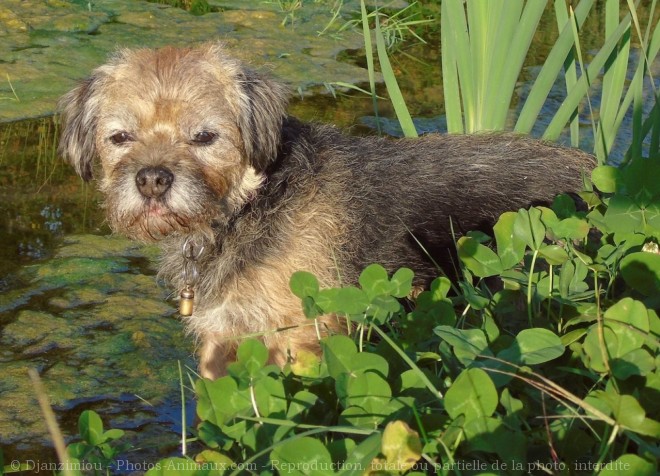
pixel 186 301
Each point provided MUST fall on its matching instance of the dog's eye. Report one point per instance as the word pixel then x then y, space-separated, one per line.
pixel 204 138
pixel 120 138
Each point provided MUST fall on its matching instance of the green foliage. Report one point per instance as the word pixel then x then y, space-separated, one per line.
pixel 98 449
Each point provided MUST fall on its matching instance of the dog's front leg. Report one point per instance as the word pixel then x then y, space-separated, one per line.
pixel 215 353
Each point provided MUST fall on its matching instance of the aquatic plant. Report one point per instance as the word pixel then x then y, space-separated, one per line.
pixel 484 45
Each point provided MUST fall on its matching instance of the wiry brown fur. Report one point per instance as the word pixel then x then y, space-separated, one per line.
pixel 270 195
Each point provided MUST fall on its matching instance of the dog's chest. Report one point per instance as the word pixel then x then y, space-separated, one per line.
pixel 240 299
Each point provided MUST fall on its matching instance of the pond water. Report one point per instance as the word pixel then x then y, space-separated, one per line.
pixel 84 307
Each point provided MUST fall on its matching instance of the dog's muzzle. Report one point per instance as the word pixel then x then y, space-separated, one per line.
pixel 153 182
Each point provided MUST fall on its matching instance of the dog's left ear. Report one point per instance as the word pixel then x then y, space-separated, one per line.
pixel 263 109
pixel 78 111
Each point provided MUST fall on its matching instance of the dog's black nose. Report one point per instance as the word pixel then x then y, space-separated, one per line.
pixel 152 182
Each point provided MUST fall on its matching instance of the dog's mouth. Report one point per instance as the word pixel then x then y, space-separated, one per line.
pixel 157 201
pixel 155 209
pixel 151 221
pixel 157 219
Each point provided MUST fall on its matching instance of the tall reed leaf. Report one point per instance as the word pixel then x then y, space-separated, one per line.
pixel 450 85
pixel 570 72
pixel 614 78
pixel 456 62
pixel 651 124
pixel 653 120
pixel 574 97
pixel 487 45
pixel 508 60
pixel 370 60
pixel 399 104
pixel 585 74
pixel 551 69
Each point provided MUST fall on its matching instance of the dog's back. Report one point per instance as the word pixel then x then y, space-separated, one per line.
pixel 402 198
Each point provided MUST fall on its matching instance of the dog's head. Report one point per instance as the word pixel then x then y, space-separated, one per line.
pixel 183 136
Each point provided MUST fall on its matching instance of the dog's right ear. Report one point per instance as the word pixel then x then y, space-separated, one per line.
pixel 79 114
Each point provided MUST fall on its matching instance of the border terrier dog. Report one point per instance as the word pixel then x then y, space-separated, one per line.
pixel 197 152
